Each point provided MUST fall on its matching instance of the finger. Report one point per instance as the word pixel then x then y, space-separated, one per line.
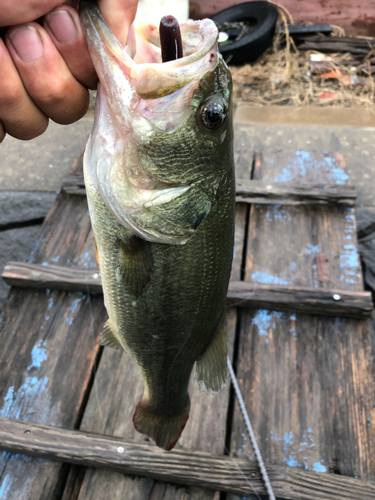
pixel 119 16
pixel 15 12
pixel 19 116
pixel 65 31
pixel 45 75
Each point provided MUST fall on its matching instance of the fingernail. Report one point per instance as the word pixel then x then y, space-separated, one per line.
pixel 62 26
pixel 27 43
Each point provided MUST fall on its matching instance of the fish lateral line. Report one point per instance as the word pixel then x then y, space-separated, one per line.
pixel 170 39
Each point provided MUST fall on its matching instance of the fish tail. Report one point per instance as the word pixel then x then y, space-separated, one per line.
pixel 164 429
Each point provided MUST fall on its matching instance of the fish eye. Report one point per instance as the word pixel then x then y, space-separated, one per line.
pixel 213 113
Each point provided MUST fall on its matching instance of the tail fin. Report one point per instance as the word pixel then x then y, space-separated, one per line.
pixel 163 429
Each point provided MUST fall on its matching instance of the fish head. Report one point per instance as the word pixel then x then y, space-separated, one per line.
pixel 162 140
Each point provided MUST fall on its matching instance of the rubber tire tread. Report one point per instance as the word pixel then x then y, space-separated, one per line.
pixel 253 44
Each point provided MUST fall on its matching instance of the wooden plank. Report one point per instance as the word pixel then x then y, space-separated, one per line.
pixel 74 184
pixel 307 380
pixel 182 467
pixel 73 279
pixel 285 193
pixel 48 347
pixel 359 46
pixel 307 300
pixel 331 302
pixel 250 191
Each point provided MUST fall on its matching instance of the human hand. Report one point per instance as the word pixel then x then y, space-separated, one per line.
pixel 46 69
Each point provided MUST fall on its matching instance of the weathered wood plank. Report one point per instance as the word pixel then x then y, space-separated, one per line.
pixel 317 301
pixel 307 380
pixel 74 184
pixel 250 191
pixel 182 467
pixel 331 302
pixel 48 346
pixel 359 46
pixel 22 274
pixel 285 193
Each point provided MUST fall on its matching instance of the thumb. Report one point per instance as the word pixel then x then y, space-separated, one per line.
pixel 119 15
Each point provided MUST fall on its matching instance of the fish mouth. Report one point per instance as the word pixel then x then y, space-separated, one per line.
pixel 148 76
pixel 140 100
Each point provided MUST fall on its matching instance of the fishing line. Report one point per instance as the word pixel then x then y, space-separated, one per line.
pixel 250 431
pixel 227 451
pixel 235 304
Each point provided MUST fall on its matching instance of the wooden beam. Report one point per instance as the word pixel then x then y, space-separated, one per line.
pixel 264 192
pixel 359 46
pixel 183 467
pixel 69 279
pixel 74 184
pixel 322 301
pixel 286 193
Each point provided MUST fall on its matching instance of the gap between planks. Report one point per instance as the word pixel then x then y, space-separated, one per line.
pixel 322 301
pixel 205 470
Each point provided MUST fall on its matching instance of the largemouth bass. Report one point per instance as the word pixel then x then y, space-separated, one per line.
pixel 159 178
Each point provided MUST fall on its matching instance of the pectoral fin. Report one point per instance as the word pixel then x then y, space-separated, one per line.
pixel 135 266
pixel 212 371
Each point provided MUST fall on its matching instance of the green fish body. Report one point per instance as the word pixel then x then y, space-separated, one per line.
pixel 159 177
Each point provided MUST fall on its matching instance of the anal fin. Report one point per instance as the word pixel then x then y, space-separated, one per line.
pixel 108 338
pixel 212 370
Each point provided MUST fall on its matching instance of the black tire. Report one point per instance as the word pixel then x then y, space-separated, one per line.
pixel 263 16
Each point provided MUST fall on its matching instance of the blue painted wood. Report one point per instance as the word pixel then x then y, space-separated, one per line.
pixel 307 380
pixel 48 347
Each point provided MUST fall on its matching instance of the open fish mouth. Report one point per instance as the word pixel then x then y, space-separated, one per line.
pixel 142 65
pixel 142 100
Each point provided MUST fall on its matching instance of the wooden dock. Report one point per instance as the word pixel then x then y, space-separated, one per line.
pixel 298 336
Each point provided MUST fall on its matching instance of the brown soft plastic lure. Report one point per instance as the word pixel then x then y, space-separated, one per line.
pixel 170 39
